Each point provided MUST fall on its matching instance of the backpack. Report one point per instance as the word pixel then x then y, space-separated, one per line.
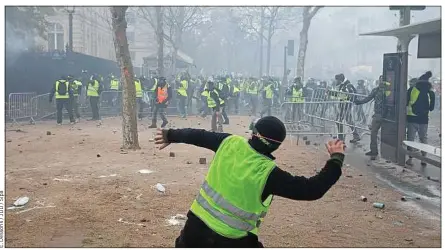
pixel 62 89
pixel 422 105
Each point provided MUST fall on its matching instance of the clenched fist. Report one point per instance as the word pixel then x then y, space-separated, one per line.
pixel 161 138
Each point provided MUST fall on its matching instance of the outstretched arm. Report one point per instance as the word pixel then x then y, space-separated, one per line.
pixel 284 184
pixel 197 137
pixel 368 98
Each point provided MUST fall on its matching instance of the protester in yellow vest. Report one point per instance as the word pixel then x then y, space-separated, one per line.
pixel 182 96
pixel 94 88
pixel 268 93
pixel 420 102
pixel 61 89
pixel 76 87
pixel 216 104
pixel 162 95
pixel 241 182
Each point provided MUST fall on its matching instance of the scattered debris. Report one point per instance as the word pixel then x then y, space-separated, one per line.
pixel 378 205
pixel 114 131
pixel 124 152
pixel 363 198
pixel 98 155
pixel 145 171
pixel 433 179
pixel 48 132
pixel 398 223
pixel 172 154
pixel 44 184
pixel 347 165
pixel 57 179
pixel 138 197
pixel 188 162
pixel 199 123
pixel 130 223
pixel 160 188
pixel 202 160
pixel 29 209
pixel 151 140
pixel 379 216
pixel 349 176
pixel 21 201
pixel 307 142
pixel 177 220
pixel 404 198
pixel 408 239
pixel 8 140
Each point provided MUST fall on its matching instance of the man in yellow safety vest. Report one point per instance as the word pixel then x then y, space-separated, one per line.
pixel 61 89
pixel 94 89
pixel 241 183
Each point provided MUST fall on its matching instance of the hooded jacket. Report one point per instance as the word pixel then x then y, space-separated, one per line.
pixel 422 106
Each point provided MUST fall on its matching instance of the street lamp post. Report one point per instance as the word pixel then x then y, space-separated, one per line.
pixel 70 11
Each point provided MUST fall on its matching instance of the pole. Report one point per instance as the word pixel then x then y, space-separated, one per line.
pixel 70 30
pixel 284 73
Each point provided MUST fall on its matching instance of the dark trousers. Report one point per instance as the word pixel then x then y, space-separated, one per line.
pixel 140 107
pixel 345 115
pixel 216 123
pixel 63 103
pixel 224 114
pixel 204 110
pixel 94 103
pixel 159 108
pixel 197 235
pixel 75 106
pixel 253 99
pixel 182 105
pixel 236 103
pixel 267 107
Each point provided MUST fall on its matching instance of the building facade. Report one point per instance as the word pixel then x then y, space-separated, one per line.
pixel 92 32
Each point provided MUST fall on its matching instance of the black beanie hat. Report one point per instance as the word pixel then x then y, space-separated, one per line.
pixel 272 128
pixel 426 76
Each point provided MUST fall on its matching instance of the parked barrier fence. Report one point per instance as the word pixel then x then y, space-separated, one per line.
pixel 20 106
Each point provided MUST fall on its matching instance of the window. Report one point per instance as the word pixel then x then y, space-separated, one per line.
pixel 130 36
pixel 55 37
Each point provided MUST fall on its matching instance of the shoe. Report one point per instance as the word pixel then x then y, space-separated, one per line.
pixel 153 125
pixel 371 153
pixel 355 140
pixel 58 124
pixel 423 164
pixel 164 123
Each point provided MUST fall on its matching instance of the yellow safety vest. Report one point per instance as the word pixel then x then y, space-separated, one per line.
pixel 182 90
pixel 412 99
pixel 114 84
pixel 74 86
pixel 297 96
pixel 138 87
pixel 269 91
pixel 153 88
pixel 65 96
pixel 210 102
pixel 253 88
pixel 93 89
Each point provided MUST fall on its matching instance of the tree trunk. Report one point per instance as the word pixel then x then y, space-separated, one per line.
pixel 160 35
pixel 129 121
pixel 261 41
pixel 302 49
pixel 269 44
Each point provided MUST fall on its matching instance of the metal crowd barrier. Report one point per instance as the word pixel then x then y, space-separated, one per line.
pixel 323 113
pixel 20 106
pixel 42 108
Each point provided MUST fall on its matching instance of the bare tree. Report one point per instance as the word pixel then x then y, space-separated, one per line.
pixel 176 21
pixel 160 38
pixel 129 121
pixel 308 14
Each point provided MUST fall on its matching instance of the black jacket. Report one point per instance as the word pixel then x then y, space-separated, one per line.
pixel 422 106
pixel 281 183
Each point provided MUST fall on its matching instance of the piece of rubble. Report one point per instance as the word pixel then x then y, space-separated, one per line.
pixel 160 187
pixel 21 201
pixel 188 162
pixel 308 142
pixel 145 171
pixel 172 154
pixel 363 198
pixel 9 140
pixel 151 140
pixel 98 155
pixel 202 160
pixel 48 132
